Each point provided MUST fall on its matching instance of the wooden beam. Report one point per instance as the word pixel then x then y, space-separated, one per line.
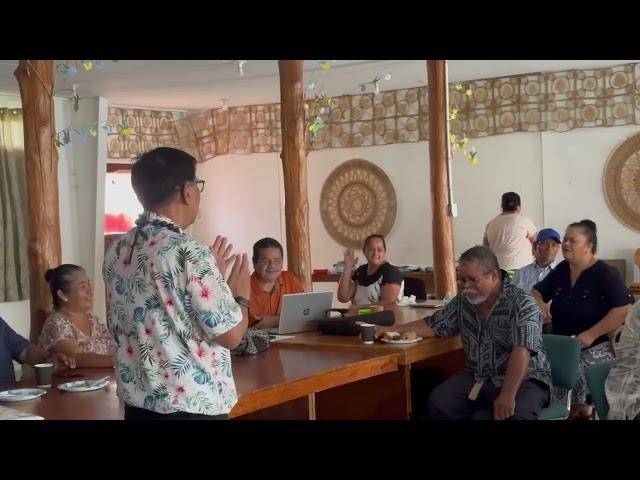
pixel 36 79
pixel 443 260
pixel 294 167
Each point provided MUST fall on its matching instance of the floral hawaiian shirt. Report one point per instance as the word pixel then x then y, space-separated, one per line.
pixel 58 327
pixel 166 304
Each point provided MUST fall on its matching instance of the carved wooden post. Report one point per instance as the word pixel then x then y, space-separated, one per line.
pixel 294 167
pixel 443 260
pixel 36 79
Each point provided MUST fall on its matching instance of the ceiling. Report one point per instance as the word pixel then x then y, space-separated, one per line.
pixel 201 84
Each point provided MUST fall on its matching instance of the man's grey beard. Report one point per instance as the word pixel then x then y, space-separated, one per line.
pixel 477 300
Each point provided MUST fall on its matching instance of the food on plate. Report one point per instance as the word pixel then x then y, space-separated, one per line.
pixel 395 336
pixel 408 336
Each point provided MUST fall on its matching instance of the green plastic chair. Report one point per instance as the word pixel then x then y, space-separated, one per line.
pixel 596 378
pixel 564 356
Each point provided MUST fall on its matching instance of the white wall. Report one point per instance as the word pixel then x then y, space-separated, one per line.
pixel 253 185
pixel 558 175
pixel 81 177
pixel 99 300
pixel 68 190
pixel 573 168
pixel 407 167
pixel 17 315
pixel 8 100
pixel 243 199
pixel 506 163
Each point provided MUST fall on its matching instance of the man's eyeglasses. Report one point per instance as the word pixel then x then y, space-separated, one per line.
pixel 200 185
pixel 464 280
pixel 197 182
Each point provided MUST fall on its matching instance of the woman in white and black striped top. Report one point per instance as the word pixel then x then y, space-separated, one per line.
pixel 376 282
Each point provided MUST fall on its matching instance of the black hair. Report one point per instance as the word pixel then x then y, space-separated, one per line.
pixel 159 173
pixel 590 231
pixel 59 278
pixel 373 236
pixel 266 242
pixel 510 202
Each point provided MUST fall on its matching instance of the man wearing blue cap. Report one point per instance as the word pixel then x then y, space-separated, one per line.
pixel 545 249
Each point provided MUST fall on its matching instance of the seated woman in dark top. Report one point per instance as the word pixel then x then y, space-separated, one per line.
pixel 376 282
pixel 589 300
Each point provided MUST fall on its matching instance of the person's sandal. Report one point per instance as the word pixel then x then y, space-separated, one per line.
pixel 582 411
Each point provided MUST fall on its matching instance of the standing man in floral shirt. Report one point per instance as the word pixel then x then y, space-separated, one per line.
pixel 171 312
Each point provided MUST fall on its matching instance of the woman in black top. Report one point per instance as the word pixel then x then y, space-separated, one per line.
pixel 376 282
pixel 589 299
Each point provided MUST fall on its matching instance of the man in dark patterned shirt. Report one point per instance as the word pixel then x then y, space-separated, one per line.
pixel 507 374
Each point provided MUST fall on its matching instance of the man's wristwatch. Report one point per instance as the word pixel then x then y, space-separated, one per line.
pixel 243 302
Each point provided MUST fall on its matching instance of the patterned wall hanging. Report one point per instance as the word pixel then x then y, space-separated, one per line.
pixel 621 182
pixel 357 200
pixel 533 102
pixel 147 129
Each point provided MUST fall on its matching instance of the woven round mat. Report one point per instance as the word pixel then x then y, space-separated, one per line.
pixel 357 200
pixel 621 182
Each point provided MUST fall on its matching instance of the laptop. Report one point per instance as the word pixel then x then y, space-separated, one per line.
pixel 301 312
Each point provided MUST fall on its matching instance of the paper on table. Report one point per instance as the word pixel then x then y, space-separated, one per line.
pixel 12 414
pixel 275 338
pixel 429 304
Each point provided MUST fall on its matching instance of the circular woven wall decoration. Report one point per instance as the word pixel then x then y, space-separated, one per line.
pixel 357 200
pixel 621 182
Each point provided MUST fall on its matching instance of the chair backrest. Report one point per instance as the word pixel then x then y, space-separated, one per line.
pixel 414 286
pixel 620 265
pixel 596 377
pixel 564 356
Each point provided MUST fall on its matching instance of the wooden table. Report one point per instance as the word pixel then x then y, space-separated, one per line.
pixel 309 376
pixel 272 378
pixel 444 354
pixel 407 354
pixel 58 405
pixel 280 375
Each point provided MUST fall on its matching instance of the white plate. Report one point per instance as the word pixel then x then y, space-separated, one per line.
pixel 400 342
pixel 21 394
pixel 83 386
pixel 405 304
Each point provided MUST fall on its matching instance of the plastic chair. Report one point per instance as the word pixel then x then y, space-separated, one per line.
pixel 596 378
pixel 564 356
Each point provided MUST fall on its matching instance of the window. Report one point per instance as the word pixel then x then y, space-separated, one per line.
pixel 121 204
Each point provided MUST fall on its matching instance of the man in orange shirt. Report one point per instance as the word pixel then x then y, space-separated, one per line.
pixel 268 283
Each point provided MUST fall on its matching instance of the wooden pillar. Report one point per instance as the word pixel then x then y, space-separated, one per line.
pixel 36 79
pixel 294 167
pixel 443 260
